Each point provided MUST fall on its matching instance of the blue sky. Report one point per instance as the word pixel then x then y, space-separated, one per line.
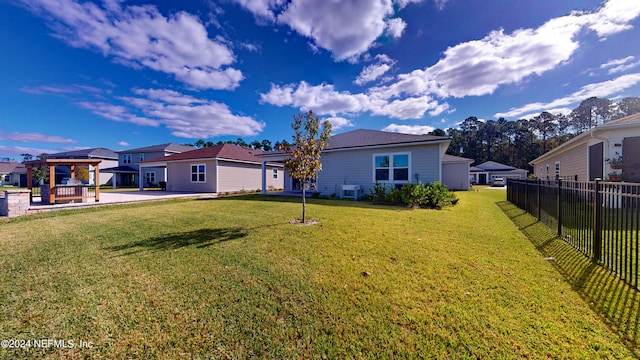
pixel 125 74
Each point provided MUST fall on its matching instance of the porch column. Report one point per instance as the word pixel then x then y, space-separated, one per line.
pixel 264 177
pixel 29 177
pixel 52 184
pixel 96 181
pixel 140 178
pixel 113 179
pixel 72 170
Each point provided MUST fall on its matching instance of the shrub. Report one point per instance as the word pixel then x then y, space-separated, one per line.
pixel 434 195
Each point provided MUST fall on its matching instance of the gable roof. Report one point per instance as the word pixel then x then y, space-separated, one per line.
pixel 630 121
pixel 168 147
pixel 365 137
pixel 222 151
pixel 10 167
pixel 495 166
pixel 101 153
pixel 446 158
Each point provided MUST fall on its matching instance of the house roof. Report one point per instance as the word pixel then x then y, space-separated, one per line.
pixel 492 166
pixel 168 147
pixel 365 137
pixel 120 169
pixel 625 122
pixel 222 151
pixel 101 153
pixel 11 167
pixel 446 158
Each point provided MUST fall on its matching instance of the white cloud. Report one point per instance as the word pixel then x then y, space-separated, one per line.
pixel 479 67
pixel 601 89
pixel 17 150
pixel 123 143
pixel 34 137
pixel 620 65
pixel 409 129
pixel 614 17
pixel 395 27
pixel 139 36
pixel 403 3
pixel 345 28
pixel 375 71
pixel 339 122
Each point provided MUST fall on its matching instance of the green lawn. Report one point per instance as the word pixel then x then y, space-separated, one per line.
pixel 231 278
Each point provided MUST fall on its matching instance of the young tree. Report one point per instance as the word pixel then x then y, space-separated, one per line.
pixel 304 163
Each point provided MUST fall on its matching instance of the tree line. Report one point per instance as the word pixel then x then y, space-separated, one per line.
pixel 265 144
pixel 517 142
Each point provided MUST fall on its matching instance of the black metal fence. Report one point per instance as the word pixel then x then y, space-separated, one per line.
pixel 606 233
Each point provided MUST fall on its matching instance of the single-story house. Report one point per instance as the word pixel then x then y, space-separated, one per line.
pixel 126 171
pixel 220 168
pixel 108 158
pixel 484 173
pixel 610 151
pixel 356 160
pixel 13 174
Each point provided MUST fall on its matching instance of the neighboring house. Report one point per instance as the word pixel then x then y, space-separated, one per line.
pixel 455 172
pixel 126 172
pixel 484 173
pixel 220 168
pixel 13 174
pixel 109 158
pixel 358 159
pixel 609 151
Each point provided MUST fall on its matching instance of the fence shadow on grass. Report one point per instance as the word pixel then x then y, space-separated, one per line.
pixel 200 238
pixel 617 302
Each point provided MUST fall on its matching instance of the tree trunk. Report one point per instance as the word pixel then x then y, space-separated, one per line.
pixel 304 202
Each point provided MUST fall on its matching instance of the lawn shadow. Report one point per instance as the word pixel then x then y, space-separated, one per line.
pixel 200 238
pixel 617 302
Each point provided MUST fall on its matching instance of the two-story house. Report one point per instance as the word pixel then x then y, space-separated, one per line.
pixel 126 174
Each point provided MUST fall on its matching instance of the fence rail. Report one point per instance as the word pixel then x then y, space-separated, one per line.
pixel 600 219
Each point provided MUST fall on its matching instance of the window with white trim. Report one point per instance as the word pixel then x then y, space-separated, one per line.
pixel 141 156
pixel 151 177
pixel 198 173
pixel 391 168
pixel 557 170
pixel 126 159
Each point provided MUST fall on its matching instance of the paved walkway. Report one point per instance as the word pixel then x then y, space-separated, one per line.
pixel 122 197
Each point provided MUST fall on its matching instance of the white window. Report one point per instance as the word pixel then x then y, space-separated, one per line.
pixel 126 159
pixel 141 156
pixel 275 173
pixel 557 170
pixel 198 173
pixel 392 168
pixel 7 178
pixel 151 177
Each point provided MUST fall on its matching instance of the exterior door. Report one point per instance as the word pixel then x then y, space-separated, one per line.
pixel 631 158
pixel 595 161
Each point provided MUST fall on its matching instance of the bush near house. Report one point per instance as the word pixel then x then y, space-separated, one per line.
pixel 434 195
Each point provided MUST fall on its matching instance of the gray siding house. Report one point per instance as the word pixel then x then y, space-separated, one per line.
pixel 486 172
pixel 356 160
pixel 455 172
pixel 12 174
pixel 610 151
pixel 126 173
pixel 220 168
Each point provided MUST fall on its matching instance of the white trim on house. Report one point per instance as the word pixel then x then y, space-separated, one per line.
pixel 392 167
pixel 198 173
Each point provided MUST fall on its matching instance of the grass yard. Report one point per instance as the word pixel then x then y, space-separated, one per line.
pixel 231 278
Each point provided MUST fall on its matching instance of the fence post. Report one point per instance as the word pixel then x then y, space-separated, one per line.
pixel 597 222
pixel 538 199
pixel 559 207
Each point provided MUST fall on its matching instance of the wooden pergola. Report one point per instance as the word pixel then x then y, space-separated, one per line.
pixel 71 164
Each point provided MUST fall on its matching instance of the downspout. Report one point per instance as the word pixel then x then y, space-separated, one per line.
pixel 605 156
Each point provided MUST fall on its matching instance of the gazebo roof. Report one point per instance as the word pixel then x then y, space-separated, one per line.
pixel 61 162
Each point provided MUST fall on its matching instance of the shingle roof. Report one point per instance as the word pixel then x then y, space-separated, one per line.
pixel 364 137
pixel 495 166
pixel 168 147
pixel 222 151
pixel 631 119
pixel 8 167
pixel 446 158
pixel 85 154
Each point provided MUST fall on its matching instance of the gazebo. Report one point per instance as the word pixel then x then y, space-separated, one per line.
pixel 64 193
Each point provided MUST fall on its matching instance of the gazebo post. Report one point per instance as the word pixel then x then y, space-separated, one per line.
pixel 96 181
pixel 52 184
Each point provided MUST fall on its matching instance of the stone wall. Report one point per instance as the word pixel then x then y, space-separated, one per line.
pixel 15 203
